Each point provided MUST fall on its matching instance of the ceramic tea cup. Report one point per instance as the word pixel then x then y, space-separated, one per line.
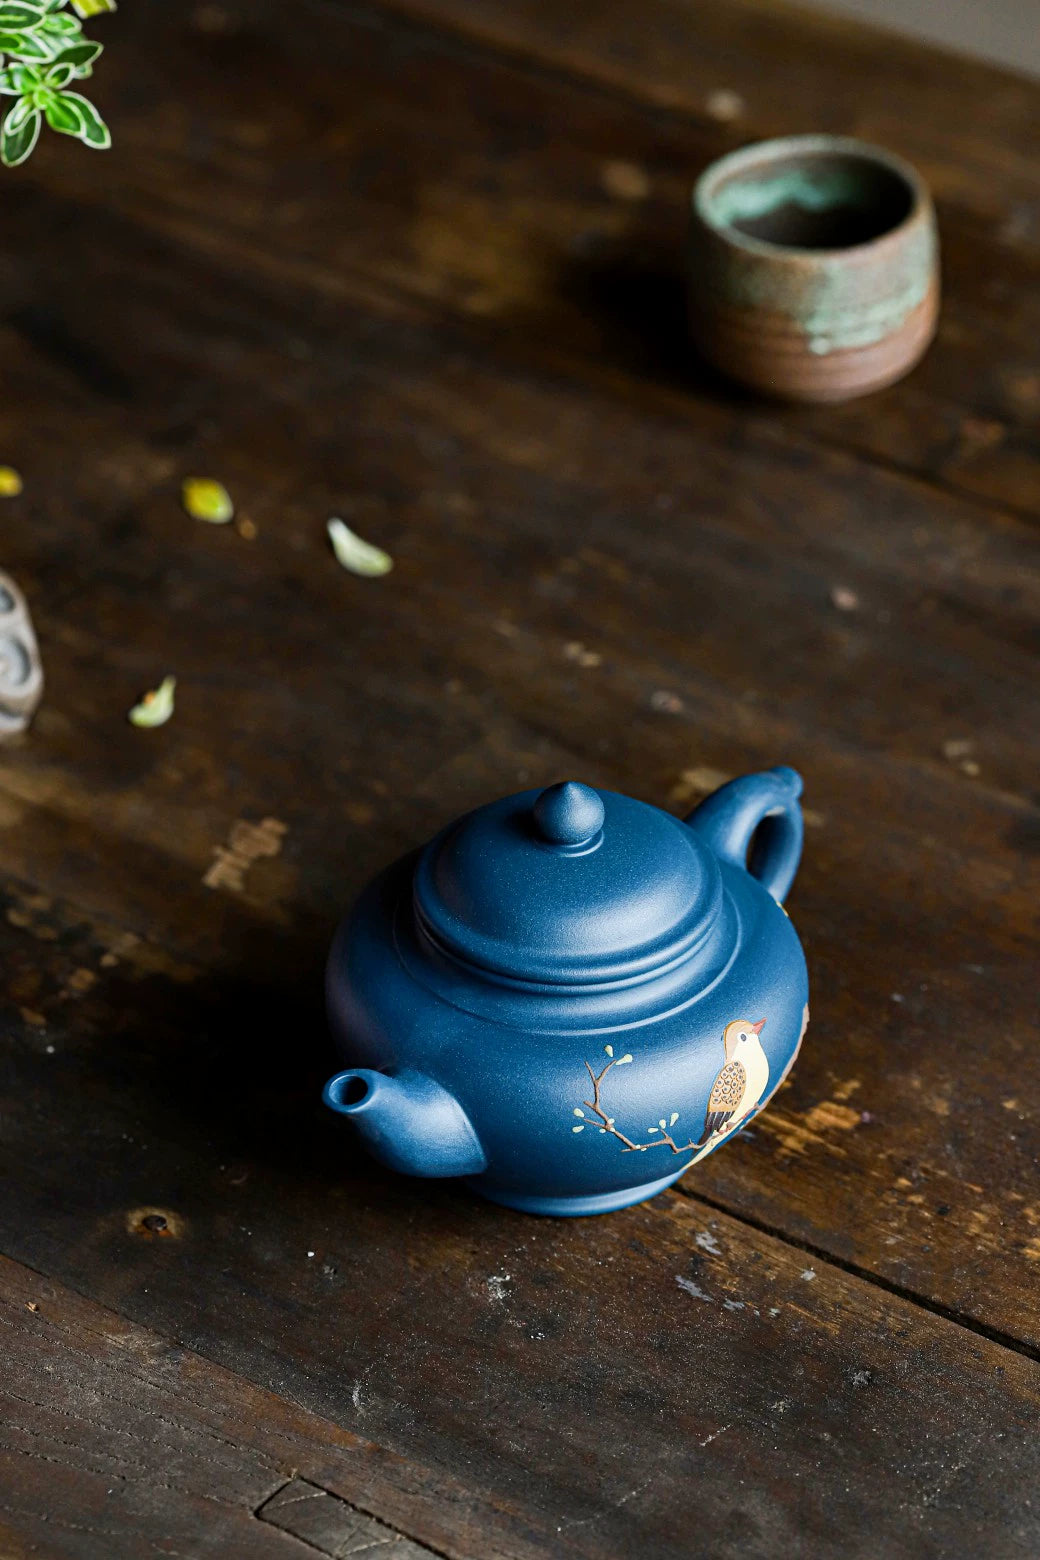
pixel 813 267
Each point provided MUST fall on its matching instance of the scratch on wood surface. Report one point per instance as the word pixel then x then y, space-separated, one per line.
pixel 699 781
pixel 122 945
pixel 795 1134
pixel 496 1285
pixel 78 984
pixel 247 842
pixel 25 921
pixel 623 1500
pixel 829 1113
pixel 332 1526
pixel 692 1289
pixel 578 653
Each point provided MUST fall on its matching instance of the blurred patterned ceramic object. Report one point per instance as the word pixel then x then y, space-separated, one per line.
pixel 21 674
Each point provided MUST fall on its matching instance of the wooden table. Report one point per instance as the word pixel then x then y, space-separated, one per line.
pixel 419 264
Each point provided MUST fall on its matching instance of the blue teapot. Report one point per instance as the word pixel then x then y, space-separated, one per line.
pixel 569 997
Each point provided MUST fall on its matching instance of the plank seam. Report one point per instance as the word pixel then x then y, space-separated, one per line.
pixel 314 1491
pixel 921 1302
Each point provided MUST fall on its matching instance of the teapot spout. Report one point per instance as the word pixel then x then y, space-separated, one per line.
pixel 408 1121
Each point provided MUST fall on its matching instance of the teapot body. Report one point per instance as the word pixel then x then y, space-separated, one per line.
pixel 566 1083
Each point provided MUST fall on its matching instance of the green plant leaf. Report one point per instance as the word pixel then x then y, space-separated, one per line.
pixel 60 75
pixel 78 54
pixel 61 26
pixel 17 13
pixel 94 131
pixel 87 8
pixel 24 46
pixel 18 79
pixel 18 140
pixel 63 115
pixel 20 112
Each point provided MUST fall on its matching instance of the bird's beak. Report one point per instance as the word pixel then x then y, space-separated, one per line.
pixel 758 1028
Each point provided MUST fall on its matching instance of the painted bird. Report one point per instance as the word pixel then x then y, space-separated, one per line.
pixel 741 1081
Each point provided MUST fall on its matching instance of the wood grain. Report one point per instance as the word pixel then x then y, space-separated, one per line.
pixel 333 1526
pixel 971 126
pixel 510 217
pixel 666 1381
pixel 516 505
pixel 117 1441
pixel 418 266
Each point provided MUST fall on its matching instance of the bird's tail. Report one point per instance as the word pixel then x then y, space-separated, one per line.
pixel 712 1122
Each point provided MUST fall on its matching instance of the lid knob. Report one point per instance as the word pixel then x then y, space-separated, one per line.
pixel 569 814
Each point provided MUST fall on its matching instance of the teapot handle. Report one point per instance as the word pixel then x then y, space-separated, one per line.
pixel 767 802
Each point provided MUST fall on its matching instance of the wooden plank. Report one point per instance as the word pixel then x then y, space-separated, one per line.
pixel 972 127
pixel 116 1441
pixel 665 1381
pixel 516 504
pixel 509 215
pixel 703 558
pixel 333 1526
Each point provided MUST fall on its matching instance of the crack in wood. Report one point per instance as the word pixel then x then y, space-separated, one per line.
pixel 331 1526
pixel 923 1302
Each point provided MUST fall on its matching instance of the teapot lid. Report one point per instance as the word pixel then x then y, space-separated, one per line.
pixel 567 886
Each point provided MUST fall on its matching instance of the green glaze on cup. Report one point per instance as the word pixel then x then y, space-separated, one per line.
pixel 813 267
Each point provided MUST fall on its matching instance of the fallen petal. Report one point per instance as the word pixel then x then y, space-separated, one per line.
pixel 205 499
pixel 156 707
pixel 356 555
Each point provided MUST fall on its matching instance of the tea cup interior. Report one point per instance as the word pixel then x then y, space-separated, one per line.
pixel 810 200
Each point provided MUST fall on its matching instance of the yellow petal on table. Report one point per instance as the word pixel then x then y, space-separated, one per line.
pixel 156 707
pixel 10 482
pixel 354 554
pixel 205 499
